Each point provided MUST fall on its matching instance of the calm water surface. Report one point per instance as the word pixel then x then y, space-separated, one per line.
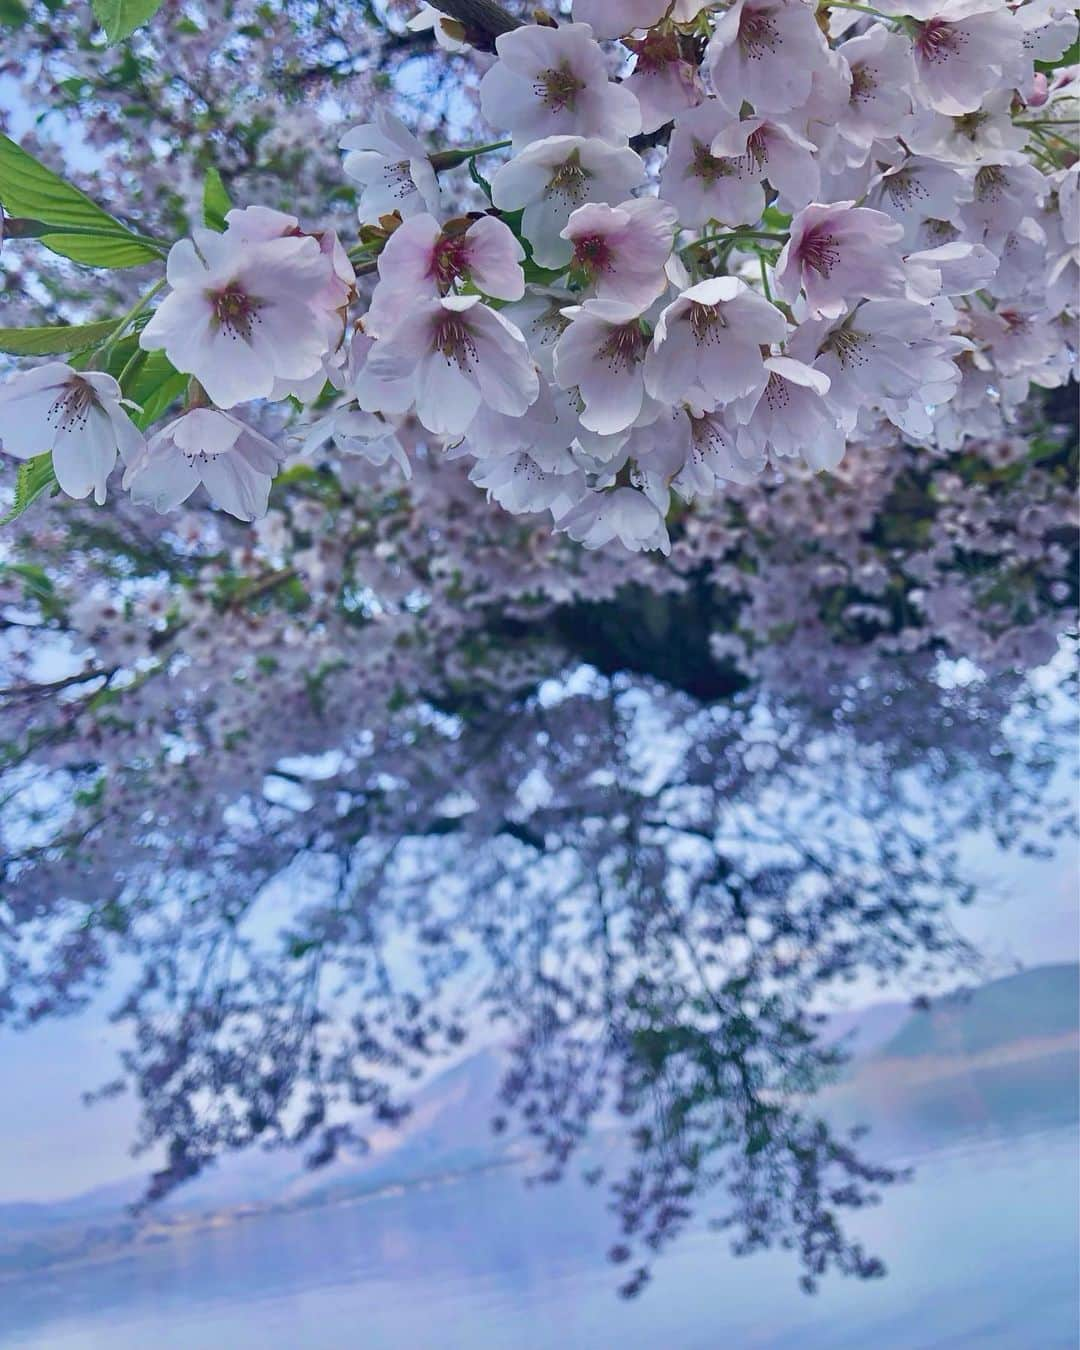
pixel 982 1252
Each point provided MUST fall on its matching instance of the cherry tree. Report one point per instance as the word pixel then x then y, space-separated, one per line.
pixel 422 364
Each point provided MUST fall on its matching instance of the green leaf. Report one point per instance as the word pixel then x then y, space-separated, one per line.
pixel 156 385
pixel 120 18
pixel 13 13
pixel 64 337
pixel 35 477
pixel 215 201
pixel 114 250
pixel 28 188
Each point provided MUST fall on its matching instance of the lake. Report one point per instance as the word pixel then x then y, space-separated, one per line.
pixel 981 1250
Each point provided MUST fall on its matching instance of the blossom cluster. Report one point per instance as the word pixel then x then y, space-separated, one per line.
pixel 718 241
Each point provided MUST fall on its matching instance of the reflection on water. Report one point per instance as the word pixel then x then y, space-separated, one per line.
pixel 470 1000
pixel 629 905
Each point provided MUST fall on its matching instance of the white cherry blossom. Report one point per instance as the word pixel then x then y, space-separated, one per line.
pixel 554 82
pixel 457 353
pixel 622 514
pixel 552 178
pixel 241 315
pixel 234 463
pixel 963 49
pixel 78 415
pixel 789 418
pixel 765 52
pixel 707 344
pixel 391 167
pixel 602 355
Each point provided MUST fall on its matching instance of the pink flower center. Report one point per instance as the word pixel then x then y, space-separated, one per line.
pixel 938 40
pixel 654 52
pixel 819 250
pixel 71 408
pixel 757 150
pixel 624 347
pixel 235 311
pixel 453 337
pixel 757 34
pixel 593 254
pixel 558 88
pixel 449 261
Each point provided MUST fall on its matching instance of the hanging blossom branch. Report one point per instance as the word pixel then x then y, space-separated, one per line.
pixel 851 230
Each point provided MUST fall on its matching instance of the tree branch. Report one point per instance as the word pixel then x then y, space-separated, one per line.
pixel 484 20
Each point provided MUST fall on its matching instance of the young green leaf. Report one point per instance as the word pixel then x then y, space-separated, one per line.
pixel 64 337
pixel 35 477
pixel 120 18
pixel 28 188
pixel 215 201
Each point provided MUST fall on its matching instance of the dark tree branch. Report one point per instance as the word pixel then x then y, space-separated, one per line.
pixel 483 20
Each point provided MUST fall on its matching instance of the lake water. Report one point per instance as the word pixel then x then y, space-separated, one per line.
pixel 982 1252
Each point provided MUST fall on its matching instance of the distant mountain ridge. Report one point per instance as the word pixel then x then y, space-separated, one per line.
pixel 1032 1005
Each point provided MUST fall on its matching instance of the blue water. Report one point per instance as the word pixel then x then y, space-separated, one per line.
pixel 982 1251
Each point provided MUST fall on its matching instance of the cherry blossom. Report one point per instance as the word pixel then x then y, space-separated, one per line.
pixel 707 344
pixel 234 463
pixel 422 259
pixel 765 52
pixel 882 78
pixel 622 514
pixel 552 178
pixel 789 418
pixel 621 250
pixel 836 224
pixel 602 355
pixel 663 81
pixel 240 315
pixel 391 168
pixel 79 415
pixel 962 49
pixel 457 352
pixel 839 252
pixel 554 82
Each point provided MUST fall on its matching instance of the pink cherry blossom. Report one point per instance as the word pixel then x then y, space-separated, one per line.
pixel 602 355
pixel 553 177
pixel 621 250
pixel 421 259
pixel 841 252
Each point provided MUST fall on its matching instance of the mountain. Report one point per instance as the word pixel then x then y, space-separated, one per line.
pixel 1035 1004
